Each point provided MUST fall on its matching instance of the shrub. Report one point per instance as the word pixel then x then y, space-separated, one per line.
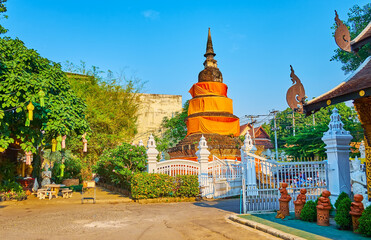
pixel 118 165
pixel 365 222
pixel 187 186
pixel 309 212
pixel 342 217
pixel 144 185
pixel 342 196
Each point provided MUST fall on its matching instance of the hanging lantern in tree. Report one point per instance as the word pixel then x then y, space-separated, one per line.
pixel 59 143
pixel 64 142
pixel 30 108
pixel 42 95
pixel 85 141
pixel 28 157
pixel 54 145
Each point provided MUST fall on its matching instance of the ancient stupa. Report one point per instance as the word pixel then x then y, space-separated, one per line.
pixel 210 114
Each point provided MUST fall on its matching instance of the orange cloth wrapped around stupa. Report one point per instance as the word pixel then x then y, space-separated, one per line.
pixel 210 110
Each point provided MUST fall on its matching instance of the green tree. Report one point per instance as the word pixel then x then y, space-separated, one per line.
pixel 26 77
pixel 3 15
pixel 112 107
pixel 358 18
pixel 173 129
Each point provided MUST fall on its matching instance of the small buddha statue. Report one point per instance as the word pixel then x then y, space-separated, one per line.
pixel 302 198
pixel 324 201
pixel 357 207
pixel 46 175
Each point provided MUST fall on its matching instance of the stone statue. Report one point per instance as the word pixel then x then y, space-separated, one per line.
pixel 356 209
pixel 324 201
pixel 299 203
pixel 301 199
pixel 46 175
pixel 358 180
pixel 357 206
pixel 284 195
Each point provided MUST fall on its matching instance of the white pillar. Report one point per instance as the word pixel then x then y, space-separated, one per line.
pixel 151 155
pixel 249 166
pixel 203 158
pixel 337 146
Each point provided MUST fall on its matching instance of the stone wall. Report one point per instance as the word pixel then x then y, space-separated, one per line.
pixel 153 108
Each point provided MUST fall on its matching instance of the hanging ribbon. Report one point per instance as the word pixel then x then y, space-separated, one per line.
pixel 30 109
pixel 54 145
pixel 27 124
pixel 42 95
pixel 64 141
pixel 62 170
pixel 85 149
pixel 59 143
pixel 28 157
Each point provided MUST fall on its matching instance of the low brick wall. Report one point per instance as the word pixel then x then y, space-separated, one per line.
pixel 70 182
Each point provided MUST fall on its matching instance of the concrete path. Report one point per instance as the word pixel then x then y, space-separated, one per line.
pixel 117 220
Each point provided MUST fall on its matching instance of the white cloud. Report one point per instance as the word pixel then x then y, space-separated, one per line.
pixel 151 14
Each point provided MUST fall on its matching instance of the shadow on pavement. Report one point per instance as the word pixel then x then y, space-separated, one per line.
pixel 229 205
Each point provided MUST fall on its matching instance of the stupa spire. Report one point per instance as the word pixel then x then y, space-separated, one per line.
pixel 209 46
pixel 210 61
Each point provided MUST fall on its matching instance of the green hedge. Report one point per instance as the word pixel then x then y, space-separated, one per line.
pixel 365 222
pixel 309 212
pixel 342 196
pixel 342 217
pixel 144 185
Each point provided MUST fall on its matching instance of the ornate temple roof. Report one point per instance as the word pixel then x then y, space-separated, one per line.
pixel 356 86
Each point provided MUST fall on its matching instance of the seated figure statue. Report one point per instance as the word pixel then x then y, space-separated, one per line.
pixel 46 175
pixel 301 199
pixel 284 195
pixel 357 207
pixel 324 201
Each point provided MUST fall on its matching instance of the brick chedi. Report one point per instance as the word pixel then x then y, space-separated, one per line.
pixel 210 113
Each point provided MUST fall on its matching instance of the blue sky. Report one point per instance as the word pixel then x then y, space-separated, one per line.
pixel 163 42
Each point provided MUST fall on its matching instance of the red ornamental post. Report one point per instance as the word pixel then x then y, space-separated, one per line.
pixel 356 210
pixel 323 209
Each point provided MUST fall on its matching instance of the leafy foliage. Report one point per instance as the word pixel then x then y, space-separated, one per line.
pixel 2 15
pixel 342 217
pixel 118 165
pixel 342 196
pixel 145 185
pixel 174 129
pixel 73 165
pixel 309 212
pixel 23 74
pixel 358 18
pixel 365 222
pixel 112 107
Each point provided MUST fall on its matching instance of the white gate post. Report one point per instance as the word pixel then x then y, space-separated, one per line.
pixel 203 158
pixel 249 163
pixel 337 146
pixel 151 155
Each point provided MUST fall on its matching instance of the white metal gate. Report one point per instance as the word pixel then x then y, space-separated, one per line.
pixel 269 173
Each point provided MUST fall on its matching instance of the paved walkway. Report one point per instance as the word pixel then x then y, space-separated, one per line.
pixel 44 219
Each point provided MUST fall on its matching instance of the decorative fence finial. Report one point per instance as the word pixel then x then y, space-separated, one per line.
pixel 203 143
pixel 248 144
pixel 151 142
pixel 140 144
pixel 336 125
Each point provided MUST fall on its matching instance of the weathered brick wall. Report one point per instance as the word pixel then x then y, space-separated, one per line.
pixel 153 108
